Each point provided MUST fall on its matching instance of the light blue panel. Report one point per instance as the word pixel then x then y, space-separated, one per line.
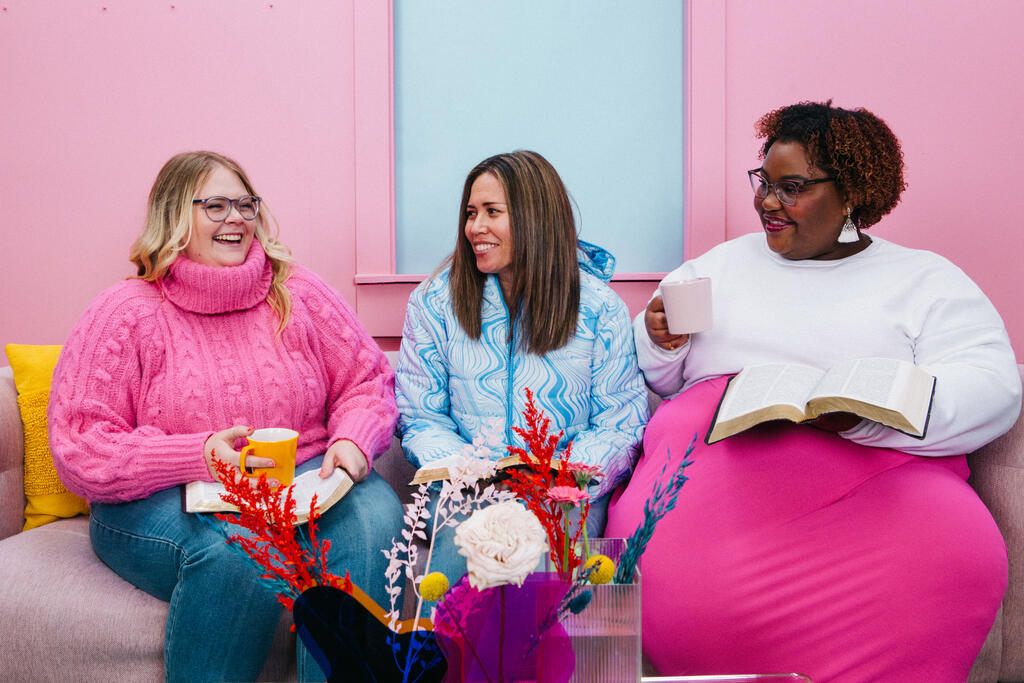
pixel 596 87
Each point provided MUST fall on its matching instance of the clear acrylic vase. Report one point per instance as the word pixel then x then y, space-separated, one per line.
pixel 606 635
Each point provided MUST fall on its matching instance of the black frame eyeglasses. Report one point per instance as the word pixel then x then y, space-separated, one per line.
pixel 787 190
pixel 219 208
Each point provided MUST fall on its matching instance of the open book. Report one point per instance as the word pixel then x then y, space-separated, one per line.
pixel 204 496
pixel 893 392
pixel 437 470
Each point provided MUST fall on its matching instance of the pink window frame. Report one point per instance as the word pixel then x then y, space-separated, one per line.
pixel 382 293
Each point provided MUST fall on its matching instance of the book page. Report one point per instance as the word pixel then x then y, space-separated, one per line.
pixel 443 462
pixel 759 386
pixel 878 381
pixel 204 496
pixel 902 390
pixel 309 484
pixel 437 470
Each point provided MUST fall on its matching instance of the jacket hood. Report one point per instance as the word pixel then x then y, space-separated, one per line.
pixel 595 260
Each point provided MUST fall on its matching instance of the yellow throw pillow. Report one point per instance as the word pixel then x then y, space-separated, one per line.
pixel 48 500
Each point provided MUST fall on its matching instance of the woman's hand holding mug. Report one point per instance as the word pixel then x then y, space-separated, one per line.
pixel 657 326
pixel 280 444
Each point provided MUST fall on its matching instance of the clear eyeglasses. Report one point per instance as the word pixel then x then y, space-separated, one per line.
pixel 219 208
pixel 787 191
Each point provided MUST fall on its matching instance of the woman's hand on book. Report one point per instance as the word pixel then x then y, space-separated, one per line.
pixel 221 445
pixel 349 457
pixel 657 326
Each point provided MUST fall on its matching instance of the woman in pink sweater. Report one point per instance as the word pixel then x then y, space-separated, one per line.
pixel 220 331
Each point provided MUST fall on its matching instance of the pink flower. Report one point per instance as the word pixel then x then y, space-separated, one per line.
pixel 584 473
pixel 567 494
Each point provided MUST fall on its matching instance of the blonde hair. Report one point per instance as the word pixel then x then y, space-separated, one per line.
pixel 169 225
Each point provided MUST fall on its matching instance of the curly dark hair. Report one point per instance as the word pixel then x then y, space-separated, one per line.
pixel 854 146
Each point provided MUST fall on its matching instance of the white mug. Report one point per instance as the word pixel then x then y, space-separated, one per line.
pixel 687 305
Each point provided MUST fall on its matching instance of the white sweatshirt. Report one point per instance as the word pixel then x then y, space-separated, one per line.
pixel 886 301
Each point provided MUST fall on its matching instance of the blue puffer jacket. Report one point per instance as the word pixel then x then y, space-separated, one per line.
pixel 449 386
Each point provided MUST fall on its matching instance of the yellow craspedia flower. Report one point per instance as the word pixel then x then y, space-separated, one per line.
pixel 433 586
pixel 605 568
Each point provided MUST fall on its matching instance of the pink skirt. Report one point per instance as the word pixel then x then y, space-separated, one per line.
pixel 792 549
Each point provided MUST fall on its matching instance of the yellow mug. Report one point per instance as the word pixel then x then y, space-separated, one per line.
pixel 276 443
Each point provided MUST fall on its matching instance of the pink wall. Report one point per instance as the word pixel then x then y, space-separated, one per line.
pixel 945 74
pixel 94 100
pixel 97 95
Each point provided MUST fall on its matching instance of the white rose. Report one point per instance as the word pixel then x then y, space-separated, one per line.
pixel 502 543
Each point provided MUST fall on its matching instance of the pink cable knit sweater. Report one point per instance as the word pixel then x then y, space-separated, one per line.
pixel 153 369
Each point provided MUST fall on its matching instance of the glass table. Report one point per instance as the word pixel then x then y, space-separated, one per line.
pixel 729 678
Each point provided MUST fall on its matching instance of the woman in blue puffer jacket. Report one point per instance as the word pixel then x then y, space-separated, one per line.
pixel 521 303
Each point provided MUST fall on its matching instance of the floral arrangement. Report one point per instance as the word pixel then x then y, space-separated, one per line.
pixel 292 562
pixel 487 624
pixel 503 543
pixel 499 620
pixel 339 623
pixel 552 492
pixel 460 496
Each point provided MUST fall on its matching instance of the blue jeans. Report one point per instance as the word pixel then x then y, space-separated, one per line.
pixel 222 619
pixel 446 558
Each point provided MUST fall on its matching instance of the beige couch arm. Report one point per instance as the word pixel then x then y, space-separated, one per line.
pixel 12 458
pixel 997 474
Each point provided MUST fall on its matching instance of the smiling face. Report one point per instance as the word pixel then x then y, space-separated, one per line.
pixel 809 228
pixel 225 243
pixel 487 228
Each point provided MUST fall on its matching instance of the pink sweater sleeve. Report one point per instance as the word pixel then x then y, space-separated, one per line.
pixel 99 452
pixel 361 383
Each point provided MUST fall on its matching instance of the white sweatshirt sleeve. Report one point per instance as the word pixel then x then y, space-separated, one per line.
pixel 662 369
pixel 960 339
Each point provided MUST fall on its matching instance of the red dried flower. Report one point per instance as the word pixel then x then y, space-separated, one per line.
pixel 531 483
pixel 273 543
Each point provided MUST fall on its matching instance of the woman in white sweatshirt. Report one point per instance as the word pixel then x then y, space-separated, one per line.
pixel 840 548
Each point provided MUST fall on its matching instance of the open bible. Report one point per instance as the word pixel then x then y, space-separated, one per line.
pixel 204 496
pixel 437 470
pixel 893 392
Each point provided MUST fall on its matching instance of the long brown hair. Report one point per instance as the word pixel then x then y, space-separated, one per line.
pixel 169 224
pixel 545 293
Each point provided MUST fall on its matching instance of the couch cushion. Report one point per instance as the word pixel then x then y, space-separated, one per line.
pixel 65 611
pixel 66 614
pixel 396 470
pixel 12 458
pixel 997 474
pixel 392 464
pixel 48 500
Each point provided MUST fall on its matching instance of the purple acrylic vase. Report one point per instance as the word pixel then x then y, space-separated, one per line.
pixel 505 633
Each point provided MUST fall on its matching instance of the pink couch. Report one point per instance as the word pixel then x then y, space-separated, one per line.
pixel 64 615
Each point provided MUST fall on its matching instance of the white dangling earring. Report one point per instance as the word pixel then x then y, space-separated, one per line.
pixel 849 232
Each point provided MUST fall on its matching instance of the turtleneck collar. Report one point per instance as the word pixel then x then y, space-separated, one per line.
pixel 211 289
